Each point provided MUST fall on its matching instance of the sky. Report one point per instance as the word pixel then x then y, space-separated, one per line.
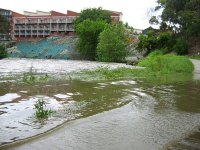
pixel 135 12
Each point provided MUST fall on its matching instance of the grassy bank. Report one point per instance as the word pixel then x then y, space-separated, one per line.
pixel 159 67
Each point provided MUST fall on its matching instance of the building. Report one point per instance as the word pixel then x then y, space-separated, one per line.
pixel 116 16
pixel 44 24
pixel 7 14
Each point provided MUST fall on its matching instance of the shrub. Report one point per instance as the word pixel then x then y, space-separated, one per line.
pixel 3 52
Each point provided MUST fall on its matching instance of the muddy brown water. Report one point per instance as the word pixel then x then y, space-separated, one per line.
pixel 110 115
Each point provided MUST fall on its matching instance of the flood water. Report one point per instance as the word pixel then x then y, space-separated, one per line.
pixel 120 114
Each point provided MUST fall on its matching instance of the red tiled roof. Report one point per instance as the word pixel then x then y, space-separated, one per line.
pixel 15 14
pixel 55 13
pixel 72 13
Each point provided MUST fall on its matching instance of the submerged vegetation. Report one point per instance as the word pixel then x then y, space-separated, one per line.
pixel 31 77
pixel 41 111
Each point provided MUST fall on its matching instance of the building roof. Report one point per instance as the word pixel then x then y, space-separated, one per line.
pixel 15 14
pixel 55 13
pixel 44 14
pixel 72 13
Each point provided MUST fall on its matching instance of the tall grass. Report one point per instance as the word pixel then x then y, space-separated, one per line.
pixel 167 64
pixel 156 67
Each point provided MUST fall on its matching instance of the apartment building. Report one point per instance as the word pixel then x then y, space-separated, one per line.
pixel 44 24
pixel 7 14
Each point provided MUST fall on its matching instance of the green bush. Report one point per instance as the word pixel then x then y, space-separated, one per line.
pixel 3 52
pixel 112 44
pixel 181 46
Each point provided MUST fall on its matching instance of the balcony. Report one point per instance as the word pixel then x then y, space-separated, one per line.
pixel 69 29
pixel 31 21
pixel 54 29
pixel 35 33
pixel 19 21
pixel 61 29
pixel 16 28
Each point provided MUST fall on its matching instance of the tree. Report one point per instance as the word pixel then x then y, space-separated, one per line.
pixel 4 25
pixel 112 44
pixel 183 16
pixel 90 23
pixel 3 52
pixel 93 14
pixel 88 32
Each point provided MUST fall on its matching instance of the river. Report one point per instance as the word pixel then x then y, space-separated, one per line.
pixel 110 115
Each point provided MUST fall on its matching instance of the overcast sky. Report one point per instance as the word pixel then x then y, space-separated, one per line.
pixel 134 11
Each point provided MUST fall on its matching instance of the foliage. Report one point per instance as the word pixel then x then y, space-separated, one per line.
pixel 4 25
pixel 156 40
pixel 88 32
pixel 181 16
pixel 41 112
pixel 158 67
pixel 112 44
pixel 103 73
pixel 167 64
pixel 148 42
pixel 3 52
pixel 181 46
pixel 94 14
pixel 31 78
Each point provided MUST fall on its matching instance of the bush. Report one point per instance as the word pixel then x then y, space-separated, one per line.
pixel 112 44
pixel 181 46
pixel 3 52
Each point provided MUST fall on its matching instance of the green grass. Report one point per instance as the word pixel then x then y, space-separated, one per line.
pixel 157 67
pixel 167 64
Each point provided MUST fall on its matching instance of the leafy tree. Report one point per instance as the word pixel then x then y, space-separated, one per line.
pixel 88 32
pixel 4 25
pixel 3 52
pixel 183 16
pixel 112 44
pixel 93 14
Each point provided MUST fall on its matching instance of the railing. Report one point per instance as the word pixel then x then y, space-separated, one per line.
pixel 69 29
pixel 54 29
pixel 31 21
pixel 19 21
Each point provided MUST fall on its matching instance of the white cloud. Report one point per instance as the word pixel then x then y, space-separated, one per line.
pixel 134 11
